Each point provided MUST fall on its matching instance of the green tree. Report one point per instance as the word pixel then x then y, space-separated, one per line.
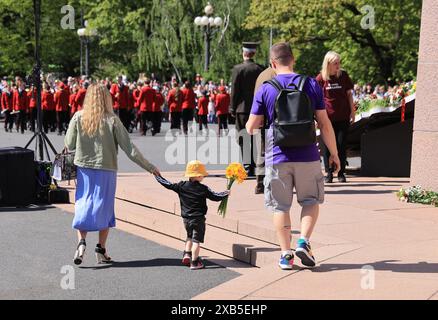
pixel 59 47
pixel 387 51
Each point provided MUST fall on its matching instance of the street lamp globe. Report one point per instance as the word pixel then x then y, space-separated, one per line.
pixel 211 21
pixel 204 21
pixel 217 21
pixel 81 32
pixel 86 23
pixel 209 9
pixel 198 21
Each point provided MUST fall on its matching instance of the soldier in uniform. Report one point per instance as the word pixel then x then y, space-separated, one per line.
pixel 244 78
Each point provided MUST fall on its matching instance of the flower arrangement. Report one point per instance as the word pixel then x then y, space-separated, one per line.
pixel 417 194
pixel 234 172
pixel 392 98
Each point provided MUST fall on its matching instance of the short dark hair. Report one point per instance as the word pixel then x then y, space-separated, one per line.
pixel 282 53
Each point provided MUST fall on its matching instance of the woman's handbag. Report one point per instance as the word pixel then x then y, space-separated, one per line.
pixel 63 168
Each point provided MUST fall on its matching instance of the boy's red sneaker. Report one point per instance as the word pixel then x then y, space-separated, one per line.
pixel 187 257
pixel 197 264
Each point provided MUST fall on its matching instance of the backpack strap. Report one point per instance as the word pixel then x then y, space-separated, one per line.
pixel 274 82
pixel 302 82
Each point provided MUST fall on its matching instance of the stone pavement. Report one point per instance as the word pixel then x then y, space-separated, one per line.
pixel 368 244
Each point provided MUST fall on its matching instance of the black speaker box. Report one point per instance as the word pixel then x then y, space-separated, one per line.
pixel 17 177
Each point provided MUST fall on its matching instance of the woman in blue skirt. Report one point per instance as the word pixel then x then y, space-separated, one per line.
pixel 95 133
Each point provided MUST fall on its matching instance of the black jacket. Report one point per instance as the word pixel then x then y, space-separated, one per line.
pixel 193 196
pixel 244 77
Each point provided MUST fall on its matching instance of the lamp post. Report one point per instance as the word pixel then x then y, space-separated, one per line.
pixel 85 35
pixel 208 23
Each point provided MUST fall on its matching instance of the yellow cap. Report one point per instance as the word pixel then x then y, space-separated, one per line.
pixel 195 169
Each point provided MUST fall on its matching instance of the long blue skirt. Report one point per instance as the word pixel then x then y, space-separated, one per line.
pixel 95 196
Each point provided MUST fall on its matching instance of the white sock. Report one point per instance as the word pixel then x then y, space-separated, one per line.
pixel 305 239
pixel 283 253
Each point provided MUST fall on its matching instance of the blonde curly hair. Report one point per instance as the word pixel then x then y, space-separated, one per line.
pixel 98 105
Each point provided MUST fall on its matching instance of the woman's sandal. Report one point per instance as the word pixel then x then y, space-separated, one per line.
pixel 80 251
pixel 101 255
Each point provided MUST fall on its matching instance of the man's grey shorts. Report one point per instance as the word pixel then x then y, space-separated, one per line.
pixel 281 180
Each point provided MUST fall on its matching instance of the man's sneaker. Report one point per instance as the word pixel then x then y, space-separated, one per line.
pixel 187 257
pixel 341 178
pixel 286 261
pixel 260 188
pixel 197 264
pixel 304 252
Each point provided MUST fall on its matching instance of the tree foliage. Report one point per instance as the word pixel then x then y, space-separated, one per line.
pixel 386 52
pixel 159 36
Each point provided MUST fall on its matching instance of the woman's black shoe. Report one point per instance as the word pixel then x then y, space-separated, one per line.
pixel 328 178
pixel 80 251
pixel 341 178
pixel 101 255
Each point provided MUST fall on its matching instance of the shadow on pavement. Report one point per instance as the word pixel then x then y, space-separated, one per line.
pixel 26 209
pixel 385 265
pixel 336 184
pixel 159 262
pixel 359 191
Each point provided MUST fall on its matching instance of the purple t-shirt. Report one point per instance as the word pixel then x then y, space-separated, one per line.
pixel 264 104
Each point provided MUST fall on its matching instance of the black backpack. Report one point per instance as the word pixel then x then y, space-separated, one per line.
pixel 294 124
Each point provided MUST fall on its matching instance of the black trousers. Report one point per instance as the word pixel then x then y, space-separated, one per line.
pixel 187 115
pixel 245 141
pixel 145 118
pixel 9 120
pixel 32 118
pixel 156 122
pixel 61 121
pixel 203 122
pixel 175 120
pixel 46 120
pixel 222 121
pixel 20 121
pixel 341 133
pixel 124 117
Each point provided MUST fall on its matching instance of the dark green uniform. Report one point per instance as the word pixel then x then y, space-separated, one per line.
pixel 244 77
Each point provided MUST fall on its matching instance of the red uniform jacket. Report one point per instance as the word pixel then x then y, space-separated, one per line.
pixel 121 100
pixel 146 99
pixel 159 101
pixel 222 103
pixel 188 98
pixel 174 101
pixel 6 101
pixel 47 101
pixel 73 104
pixel 203 106
pixel 80 97
pixel 32 99
pixel 135 96
pixel 61 100
pixel 20 101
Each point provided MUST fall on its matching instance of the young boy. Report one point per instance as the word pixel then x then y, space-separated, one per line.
pixel 193 197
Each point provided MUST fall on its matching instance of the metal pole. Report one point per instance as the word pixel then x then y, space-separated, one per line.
pixel 37 75
pixel 207 47
pixel 82 64
pixel 82 44
pixel 87 57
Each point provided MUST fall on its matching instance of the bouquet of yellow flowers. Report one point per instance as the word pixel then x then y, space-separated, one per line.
pixel 234 172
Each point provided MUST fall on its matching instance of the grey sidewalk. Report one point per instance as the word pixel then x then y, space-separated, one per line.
pixel 36 244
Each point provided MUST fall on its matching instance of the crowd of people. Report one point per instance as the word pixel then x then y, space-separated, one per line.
pixel 380 92
pixel 141 105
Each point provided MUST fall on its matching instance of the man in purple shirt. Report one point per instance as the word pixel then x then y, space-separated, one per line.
pixel 289 168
